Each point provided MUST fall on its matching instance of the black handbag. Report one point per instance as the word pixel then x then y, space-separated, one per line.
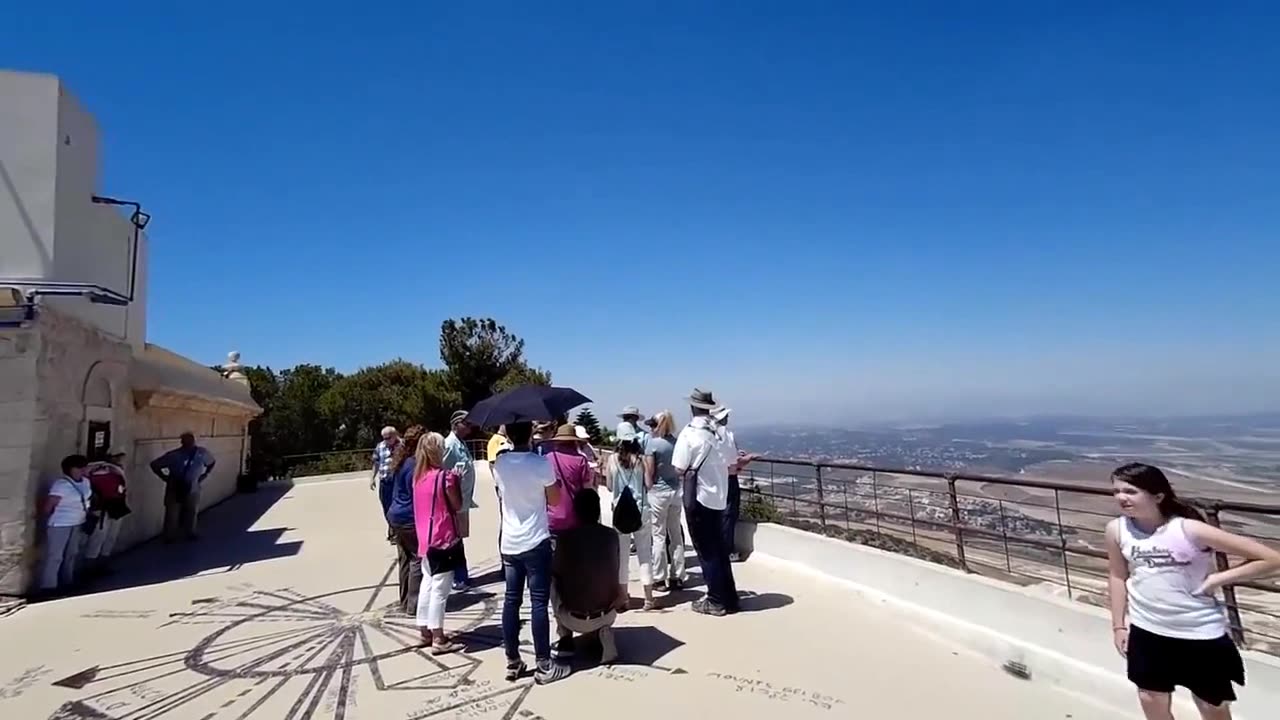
pixel 626 513
pixel 442 560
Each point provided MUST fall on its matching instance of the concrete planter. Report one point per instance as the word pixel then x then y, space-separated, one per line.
pixel 744 538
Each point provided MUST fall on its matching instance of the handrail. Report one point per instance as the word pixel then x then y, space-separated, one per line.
pixel 1206 502
pixel 943 522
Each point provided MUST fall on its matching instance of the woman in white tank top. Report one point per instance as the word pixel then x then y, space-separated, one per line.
pixel 1167 621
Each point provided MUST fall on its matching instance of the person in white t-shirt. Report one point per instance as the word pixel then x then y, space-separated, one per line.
pixel 699 459
pixel 67 508
pixel 526 484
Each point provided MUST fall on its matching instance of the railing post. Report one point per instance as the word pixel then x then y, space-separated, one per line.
pixel 875 501
pixel 1228 591
pixel 822 505
pixel 955 521
pixel 1062 541
pixel 911 508
pixel 1004 535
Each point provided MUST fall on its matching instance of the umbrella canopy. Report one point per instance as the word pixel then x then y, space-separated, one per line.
pixel 526 403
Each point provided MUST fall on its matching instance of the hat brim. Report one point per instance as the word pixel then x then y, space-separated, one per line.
pixel 702 405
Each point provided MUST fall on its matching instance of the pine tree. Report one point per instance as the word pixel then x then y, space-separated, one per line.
pixel 588 421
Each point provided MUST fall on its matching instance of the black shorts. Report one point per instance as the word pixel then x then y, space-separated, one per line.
pixel 1158 663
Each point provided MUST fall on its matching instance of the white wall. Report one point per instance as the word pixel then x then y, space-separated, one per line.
pixel 50 228
pixel 1062 643
pixel 28 157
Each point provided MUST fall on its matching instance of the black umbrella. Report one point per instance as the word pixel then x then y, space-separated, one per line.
pixel 527 403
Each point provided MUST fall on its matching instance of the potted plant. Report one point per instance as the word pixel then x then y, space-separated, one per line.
pixel 756 508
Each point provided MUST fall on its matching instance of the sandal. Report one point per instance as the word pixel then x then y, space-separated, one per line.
pixel 444 648
pixel 648 605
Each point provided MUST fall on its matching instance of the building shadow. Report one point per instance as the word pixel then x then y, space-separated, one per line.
pixel 226 543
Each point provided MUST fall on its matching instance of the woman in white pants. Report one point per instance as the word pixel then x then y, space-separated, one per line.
pixel 436 502
pixel 626 471
pixel 666 505
pixel 67 507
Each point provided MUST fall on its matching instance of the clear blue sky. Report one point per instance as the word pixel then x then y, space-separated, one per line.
pixel 821 210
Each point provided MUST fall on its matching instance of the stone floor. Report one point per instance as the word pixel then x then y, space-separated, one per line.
pixel 281 612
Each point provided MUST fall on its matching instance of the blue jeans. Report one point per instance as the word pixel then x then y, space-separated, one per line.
pixel 460 574
pixel 534 565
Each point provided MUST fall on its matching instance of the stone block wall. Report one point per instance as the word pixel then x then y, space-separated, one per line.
pixel 18 351
pixel 56 377
pixel 158 430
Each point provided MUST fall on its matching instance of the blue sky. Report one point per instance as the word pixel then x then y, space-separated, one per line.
pixel 829 211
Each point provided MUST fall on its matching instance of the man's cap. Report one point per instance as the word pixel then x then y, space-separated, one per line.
pixel 721 413
pixel 457 417
pixel 629 410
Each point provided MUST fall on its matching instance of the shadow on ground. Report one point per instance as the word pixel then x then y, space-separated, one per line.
pixel 226 542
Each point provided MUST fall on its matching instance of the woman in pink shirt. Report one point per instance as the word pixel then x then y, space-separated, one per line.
pixel 436 498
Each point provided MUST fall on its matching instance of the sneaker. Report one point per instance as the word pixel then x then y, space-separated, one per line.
pixel 706 607
pixel 563 649
pixel 461 586
pixel 515 668
pixel 660 586
pixel 550 671
pixel 675 585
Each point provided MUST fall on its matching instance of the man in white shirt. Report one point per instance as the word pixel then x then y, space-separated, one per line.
pixel 526 484
pixel 699 459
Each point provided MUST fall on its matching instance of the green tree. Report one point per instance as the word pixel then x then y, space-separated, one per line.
pixel 482 357
pixel 297 423
pixel 398 393
pixel 523 375
pixel 588 421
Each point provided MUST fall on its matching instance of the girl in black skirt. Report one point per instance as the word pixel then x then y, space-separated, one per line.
pixel 1166 620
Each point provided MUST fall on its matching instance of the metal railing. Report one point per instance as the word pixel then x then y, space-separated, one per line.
pixel 1017 529
pixel 338 461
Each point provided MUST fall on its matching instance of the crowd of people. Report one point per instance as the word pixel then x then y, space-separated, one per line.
pixel 86 505
pixel 570 552
pixel 552 540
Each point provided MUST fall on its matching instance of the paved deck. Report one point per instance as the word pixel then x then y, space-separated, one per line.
pixel 280 612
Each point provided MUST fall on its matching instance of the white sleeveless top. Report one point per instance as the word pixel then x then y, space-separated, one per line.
pixel 1165 569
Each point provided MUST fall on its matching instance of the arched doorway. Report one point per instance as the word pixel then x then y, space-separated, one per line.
pixel 98 414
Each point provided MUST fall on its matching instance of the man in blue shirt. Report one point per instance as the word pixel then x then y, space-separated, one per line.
pixel 182 469
pixel 457 457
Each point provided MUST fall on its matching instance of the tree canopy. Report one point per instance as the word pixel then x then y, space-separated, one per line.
pixel 314 409
pixel 588 421
pixel 482 357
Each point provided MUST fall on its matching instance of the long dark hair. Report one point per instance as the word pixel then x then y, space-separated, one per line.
pixel 1150 479
pixel 407 447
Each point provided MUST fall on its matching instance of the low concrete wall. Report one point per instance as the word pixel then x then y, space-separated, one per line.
pixel 1060 642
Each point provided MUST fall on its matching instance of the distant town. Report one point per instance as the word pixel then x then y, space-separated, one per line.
pixel 1223 456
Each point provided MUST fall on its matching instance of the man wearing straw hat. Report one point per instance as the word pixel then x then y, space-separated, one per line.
pixel 700 461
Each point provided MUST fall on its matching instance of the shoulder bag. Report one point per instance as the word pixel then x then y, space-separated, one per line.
pixel 442 560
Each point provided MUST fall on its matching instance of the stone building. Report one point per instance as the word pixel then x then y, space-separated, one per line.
pixel 76 372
